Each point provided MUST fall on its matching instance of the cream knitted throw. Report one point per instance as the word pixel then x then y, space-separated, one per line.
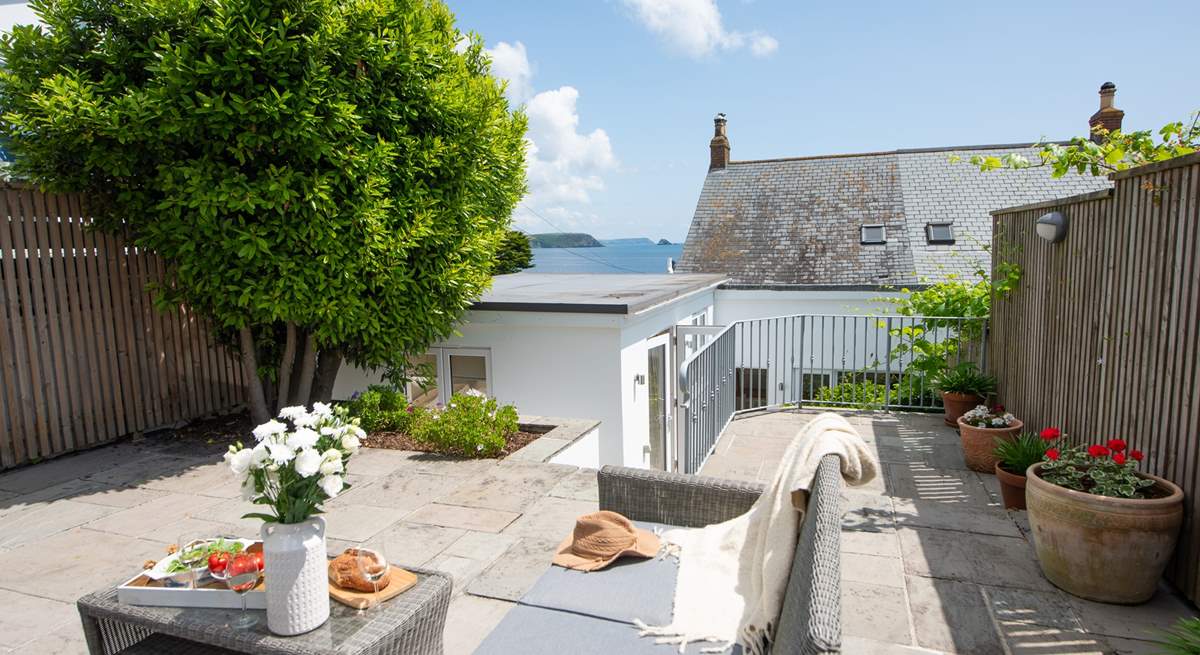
pixel 733 575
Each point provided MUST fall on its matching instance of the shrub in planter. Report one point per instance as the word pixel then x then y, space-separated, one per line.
pixel 1014 457
pixel 860 395
pixel 980 429
pixel 1102 530
pixel 963 387
pixel 381 408
pixel 471 425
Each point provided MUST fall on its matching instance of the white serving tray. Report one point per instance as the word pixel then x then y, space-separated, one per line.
pixel 141 590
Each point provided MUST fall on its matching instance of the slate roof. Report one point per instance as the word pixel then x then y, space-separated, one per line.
pixel 796 222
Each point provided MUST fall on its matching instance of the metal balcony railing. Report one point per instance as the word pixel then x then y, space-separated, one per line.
pixel 831 360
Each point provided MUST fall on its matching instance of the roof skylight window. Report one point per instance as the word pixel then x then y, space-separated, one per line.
pixel 873 235
pixel 937 233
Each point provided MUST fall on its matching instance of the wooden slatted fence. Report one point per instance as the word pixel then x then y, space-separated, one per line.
pixel 1102 337
pixel 84 356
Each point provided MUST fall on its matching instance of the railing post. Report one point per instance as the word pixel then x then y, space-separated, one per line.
pixel 887 370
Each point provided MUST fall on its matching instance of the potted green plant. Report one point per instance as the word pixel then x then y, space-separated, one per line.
pixel 979 430
pixel 1014 457
pixel 963 387
pixel 1102 530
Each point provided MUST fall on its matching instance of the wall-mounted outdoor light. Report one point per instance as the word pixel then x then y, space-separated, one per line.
pixel 1052 227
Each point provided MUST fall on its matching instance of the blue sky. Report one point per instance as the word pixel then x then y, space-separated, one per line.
pixel 647 76
pixel 621 93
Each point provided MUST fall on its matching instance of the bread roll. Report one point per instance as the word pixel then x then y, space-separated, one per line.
pixel 344 572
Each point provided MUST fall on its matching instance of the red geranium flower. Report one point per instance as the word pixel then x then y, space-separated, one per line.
pixel 1136 455
pixel 1052 454
pixel 1050 434
pixel 1116 445
pixel 1096 450
pixel 998 408
pixel 1119 458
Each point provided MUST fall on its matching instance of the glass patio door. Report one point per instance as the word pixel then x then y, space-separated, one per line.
pixel 443 372
pixel 658 387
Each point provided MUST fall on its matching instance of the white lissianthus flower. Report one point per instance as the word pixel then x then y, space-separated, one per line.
pixel 350 443
pixel 239 460
pixel 280 454
pixel 291 413
pixel 308 462
pixel 259 456
pixel 302 438
pixel 269 428
pixel 331 462
pixel 306 420
pixel 322 409
pixel 332 485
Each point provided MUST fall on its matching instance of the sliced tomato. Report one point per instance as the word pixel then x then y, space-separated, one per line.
pixel 258 559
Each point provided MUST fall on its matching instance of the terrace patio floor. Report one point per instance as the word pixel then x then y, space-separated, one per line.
pixel 931 561
pixel 929 558
pixel 74 524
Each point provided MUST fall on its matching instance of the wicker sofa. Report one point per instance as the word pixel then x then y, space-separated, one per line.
pixel 592 613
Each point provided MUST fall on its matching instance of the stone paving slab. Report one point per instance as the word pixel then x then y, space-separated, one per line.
pixel 466 518
pixel 511 487
pixel 516 570
pixel 469 620
pixel 26 618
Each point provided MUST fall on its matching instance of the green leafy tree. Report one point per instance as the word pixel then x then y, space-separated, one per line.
pixel 326 179
pixel 514 254
pixel 1108 153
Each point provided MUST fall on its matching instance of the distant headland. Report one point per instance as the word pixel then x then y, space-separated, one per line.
pixel 582 240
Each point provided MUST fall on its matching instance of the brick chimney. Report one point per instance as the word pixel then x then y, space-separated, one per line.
pixel 1109 117
pixel 718 148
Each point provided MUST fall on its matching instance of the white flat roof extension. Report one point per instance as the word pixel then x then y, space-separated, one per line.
pixel 590 293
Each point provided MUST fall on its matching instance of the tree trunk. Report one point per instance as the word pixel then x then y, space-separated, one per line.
pixel 328 365
pixel 308 368
pixel 286 363
pixel 254 389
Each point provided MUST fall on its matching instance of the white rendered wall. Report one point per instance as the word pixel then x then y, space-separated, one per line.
pixel 737 304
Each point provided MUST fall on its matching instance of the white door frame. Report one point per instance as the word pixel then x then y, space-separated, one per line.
pixel 668 387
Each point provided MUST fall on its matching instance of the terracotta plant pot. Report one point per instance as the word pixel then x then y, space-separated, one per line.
pixel 1111 550
pixel 978 444
pixel 1012 488
pixel 956 404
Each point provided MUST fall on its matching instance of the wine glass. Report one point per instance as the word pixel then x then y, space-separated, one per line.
pixel 373 566
pixel 241 575
pixel 192 553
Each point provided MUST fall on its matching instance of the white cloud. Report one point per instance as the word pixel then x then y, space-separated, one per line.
pixel 695 27
pixel 16 14
pixel 564 166
pixel 511 63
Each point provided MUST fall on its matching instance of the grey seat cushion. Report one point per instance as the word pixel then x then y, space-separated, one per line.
pixel 527 630
pixel 630 588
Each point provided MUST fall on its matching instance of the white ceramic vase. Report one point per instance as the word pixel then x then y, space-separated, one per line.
pixel 296 578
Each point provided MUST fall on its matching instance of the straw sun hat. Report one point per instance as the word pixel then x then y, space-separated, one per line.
pixel 600 538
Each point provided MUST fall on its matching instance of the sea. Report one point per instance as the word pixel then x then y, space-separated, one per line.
pixel 609 259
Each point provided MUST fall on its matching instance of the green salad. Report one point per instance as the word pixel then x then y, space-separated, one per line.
pixel 200 554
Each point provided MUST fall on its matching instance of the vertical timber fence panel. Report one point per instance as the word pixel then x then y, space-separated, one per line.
pixel 85 357
pixel 1102 336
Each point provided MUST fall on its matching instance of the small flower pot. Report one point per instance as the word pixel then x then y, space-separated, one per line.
pixel 956 404
pixel 1111 550
pixel 979 443
pixel 1012 488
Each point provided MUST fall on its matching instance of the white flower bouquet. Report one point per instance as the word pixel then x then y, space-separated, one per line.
pixel 298 463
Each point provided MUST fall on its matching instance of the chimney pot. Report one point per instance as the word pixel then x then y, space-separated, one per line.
pixel 718 148
pixel 1108 116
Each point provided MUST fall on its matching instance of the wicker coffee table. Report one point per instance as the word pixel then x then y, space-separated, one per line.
pixel 410 624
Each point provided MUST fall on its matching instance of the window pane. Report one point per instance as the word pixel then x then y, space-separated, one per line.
pixel 422 389
pixel 468 372
pixel 939 232
pixel 873 234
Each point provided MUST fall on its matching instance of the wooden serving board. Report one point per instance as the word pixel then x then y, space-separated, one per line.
pixel 401 581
